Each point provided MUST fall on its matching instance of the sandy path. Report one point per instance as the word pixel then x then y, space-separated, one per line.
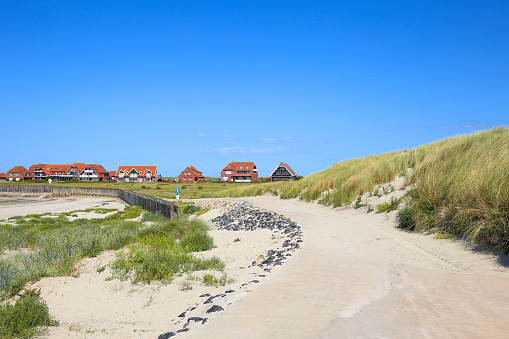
pixel 358 276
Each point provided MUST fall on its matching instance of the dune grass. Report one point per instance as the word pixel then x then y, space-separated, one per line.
pixel 462 185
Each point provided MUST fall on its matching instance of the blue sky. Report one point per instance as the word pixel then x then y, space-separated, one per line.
pixel 203 83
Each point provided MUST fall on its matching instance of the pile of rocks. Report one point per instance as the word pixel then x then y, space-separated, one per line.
pixel 243 216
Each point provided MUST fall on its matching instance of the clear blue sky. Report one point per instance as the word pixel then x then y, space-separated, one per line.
pixel 203 83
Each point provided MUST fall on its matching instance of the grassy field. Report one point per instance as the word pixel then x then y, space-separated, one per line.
pixel 158 189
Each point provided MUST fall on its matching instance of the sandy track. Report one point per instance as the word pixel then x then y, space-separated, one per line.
pixel 358 276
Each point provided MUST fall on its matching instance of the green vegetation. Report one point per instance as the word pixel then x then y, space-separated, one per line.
pixel 462 186
pixel 28 317
pixel 211 280
pixel 49 245
pixel 189 208
pixel 392 205
pixel 358 203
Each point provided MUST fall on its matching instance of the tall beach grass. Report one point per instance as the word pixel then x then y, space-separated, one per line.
pixel 462 185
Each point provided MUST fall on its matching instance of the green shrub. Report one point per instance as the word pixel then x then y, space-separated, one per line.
pixel 389 206
pixel 211 280
pixel 197 242
pixel 190 209
pixel 25 318
pixel 358 203
pixel 144 264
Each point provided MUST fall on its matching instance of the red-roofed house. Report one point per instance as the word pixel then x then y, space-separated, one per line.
pixel 73 172
pixel 190 175
pixel 44 171
pixel 2 176
pixel 16 174
pixel 113 175
pixel 137 174
pixel 93 172
pixel 283 173
pixel 240 172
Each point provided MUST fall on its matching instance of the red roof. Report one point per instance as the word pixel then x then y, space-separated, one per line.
pixel 113 174
pixel 22 170
pixel 138 169
pixel 2 175
pixel 99 169
pixel 193 170
pixel 47 169
pixel 237 166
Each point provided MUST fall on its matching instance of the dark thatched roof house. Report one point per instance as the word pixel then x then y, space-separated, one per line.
pixel 283 173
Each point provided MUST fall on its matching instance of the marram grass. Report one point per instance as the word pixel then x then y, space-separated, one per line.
pixel 462 185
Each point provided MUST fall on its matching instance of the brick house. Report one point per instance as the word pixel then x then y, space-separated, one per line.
pixel 73 173
pixel 283 173
pixel 240 172
pixel 93 172
pixel 137 174
pixel 16 174
pixel 190 175
pixel 45 171
pixel 113 175
pixel 2 176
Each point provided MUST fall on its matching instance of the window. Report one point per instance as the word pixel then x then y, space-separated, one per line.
pixel 190 178
pixel 247 167
pixel 240 167
pixel 184 178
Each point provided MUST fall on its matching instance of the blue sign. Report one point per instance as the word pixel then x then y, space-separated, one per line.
pixel 177 191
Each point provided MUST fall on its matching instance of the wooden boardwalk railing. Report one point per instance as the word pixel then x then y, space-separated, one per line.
pixel 151 204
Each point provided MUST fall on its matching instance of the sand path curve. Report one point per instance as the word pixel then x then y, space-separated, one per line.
pixel 358 276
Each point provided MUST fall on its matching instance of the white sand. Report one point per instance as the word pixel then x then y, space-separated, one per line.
pixel 356 276
pixel 89 306
pixel 38 204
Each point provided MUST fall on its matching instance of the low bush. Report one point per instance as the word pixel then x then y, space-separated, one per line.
pixel 389 206
pixel 26 318
pixel 197 242
pixel 190 209
pixel 210 280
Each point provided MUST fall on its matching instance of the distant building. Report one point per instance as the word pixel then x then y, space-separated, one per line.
pixel 76 171
pixel 283 173
pixel 2 176
pixel 190 175
pixel 16 174
pixel 113 175
pixel 137 174
pixel 93 172
pixel 45 171
pixel 240 172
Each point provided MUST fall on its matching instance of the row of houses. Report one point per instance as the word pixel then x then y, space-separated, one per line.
pixel 239 172
pixel 81 172
pixel 234 172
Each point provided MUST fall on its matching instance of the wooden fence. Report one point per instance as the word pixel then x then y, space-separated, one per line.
pixel 151 204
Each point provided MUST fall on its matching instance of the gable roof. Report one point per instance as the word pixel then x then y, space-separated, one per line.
pixel 288 168
pixel 2 175
pixel 193 170
pixel 47 169
pixel 233 166
pixel 99 169
pixel 22 170
pixel 138 169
